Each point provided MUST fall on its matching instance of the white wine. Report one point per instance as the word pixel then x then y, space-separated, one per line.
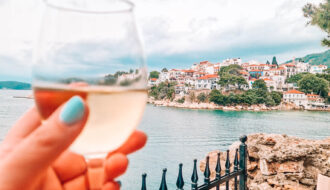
pixel 113 115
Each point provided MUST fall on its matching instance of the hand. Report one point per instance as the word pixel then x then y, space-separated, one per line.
pixel 34 155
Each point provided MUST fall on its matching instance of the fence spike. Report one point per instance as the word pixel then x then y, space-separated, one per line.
pixel 236 160
pixel 218 167
pixel 144 185
pixel 180 181
pixel 207 172
pixel 227 163
pixel 194 177
pixel 163 185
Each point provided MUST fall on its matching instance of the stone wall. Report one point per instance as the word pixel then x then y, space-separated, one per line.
pixel 281 161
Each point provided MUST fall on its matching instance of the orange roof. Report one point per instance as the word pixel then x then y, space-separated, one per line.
pixel 255 70
pixel 188 71
pixel 293 92
pixel 153 79
pixel 253 65
pixel 267 79
pixel 209 76
pixel 174 70
pixel 203 62
pixel 322 65
pixel 243 72
pixel 253 79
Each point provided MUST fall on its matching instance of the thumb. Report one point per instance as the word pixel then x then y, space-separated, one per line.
pixel 46 143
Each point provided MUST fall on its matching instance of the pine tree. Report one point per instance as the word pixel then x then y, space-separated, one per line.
pixel 267 62
pixel 274 62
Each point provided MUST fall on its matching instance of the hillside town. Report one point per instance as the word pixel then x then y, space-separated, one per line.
pixel 204 77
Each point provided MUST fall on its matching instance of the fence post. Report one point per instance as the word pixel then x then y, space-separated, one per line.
pixel 243 162
pixel 179 181
pixel 144 185
pixel 194 177
pixel 163 185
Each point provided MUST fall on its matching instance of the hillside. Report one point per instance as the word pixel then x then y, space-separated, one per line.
pixel 316 58
pixel 14 85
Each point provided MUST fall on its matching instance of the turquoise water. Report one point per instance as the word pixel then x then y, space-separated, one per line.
pixel 180 135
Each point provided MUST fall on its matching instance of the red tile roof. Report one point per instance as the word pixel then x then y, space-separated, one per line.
pixel 293 92
pixel 153 79
pixel 209 76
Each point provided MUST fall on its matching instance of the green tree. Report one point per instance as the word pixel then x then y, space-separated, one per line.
pixel 154 74
pixel 267 62
pixel 164 70
pixel 296 78
pixel 259 84
pixel 324 76
pixel 319 16
pixel 274 61
pixel 201 97
pixel 277 97
pixel 181 100
pixel 216 97
pixel 313 84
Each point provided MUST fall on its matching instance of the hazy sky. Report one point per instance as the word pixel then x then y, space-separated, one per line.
pixel 178 33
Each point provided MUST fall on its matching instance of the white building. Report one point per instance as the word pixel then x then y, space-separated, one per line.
pixel 296 97
pixel 164 76
pixel 318 69
pixel 302 67
pixel 236 61
pixel 207 82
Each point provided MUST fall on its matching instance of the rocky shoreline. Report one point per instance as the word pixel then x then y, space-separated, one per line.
pixel 281 162
pixel 212 106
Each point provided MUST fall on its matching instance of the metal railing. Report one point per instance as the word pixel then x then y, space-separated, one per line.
pixel 239 170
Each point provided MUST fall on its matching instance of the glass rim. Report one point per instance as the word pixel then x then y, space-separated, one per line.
pixel 130 8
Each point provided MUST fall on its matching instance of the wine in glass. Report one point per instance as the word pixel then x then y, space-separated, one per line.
pixel 91 48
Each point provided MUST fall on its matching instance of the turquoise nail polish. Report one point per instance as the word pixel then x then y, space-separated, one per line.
pixel 72 111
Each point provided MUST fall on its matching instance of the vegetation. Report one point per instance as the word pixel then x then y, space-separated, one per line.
pixel 316 58
pixel 274 62
pixel 230 75
pixel 296 78
pixel 201 97
pixel 181 100
pixel 154 74
pixel 14 85
pixel 313 84
pixel 319 16
pixel 164 70
pixel 257 95
pixel 192 96
pixel 164 90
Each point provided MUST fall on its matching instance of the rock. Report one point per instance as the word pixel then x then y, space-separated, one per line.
pixel 307 181
pixel 280 161
pixel 291 167
pixel 266 168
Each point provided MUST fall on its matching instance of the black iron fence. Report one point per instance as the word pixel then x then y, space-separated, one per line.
pixel 239 170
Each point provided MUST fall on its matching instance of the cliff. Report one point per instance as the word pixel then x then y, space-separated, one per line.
pixel 281 162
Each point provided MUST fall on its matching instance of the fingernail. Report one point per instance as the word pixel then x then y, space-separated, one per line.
pixel 72 111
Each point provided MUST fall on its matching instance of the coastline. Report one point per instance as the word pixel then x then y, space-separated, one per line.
pixel 212 106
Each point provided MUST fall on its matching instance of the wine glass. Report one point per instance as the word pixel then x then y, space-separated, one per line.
pixel 91 48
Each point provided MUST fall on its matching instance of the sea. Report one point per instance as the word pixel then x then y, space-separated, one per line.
pixel 178 135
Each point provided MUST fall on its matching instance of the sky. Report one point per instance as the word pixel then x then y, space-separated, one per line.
pixel 178 33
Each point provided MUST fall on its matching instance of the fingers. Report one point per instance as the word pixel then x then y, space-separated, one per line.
pixel 115 166
pixel 135 142
pixel 111 186
pixel 24 126
pixel 36 152
pixel 79 183
pixel 69 165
